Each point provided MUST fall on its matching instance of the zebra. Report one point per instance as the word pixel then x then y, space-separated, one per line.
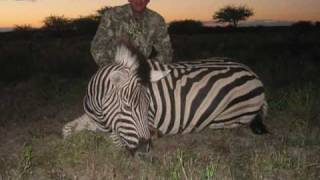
pixel 133 97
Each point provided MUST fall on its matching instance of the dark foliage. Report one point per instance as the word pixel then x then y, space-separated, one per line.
pixel 56 23
pixel 281 56
pixel 85 24
pixel 185 27
pixel 59 25
pixel 303 24
pixel 41 53
pixel 23 28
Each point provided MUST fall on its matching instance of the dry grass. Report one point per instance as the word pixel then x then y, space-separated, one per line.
pixel 32 147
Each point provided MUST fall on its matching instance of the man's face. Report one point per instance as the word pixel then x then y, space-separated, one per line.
pixel 139 5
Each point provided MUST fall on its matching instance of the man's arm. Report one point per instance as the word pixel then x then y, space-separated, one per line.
pixel 102 45
pixel 162 43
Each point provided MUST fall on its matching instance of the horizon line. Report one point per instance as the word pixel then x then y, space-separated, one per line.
pixel 212 23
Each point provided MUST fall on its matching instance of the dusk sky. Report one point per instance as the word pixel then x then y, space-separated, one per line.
pixel 21 12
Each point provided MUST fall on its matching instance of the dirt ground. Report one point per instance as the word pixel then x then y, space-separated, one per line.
pixel 31 146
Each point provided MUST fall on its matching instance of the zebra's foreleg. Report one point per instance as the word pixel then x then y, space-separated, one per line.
pixel 223 125
pixel 81 123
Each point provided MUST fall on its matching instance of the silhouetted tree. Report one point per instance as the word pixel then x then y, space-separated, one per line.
pixel 23 28
pixel 84 24
pixel 81 24
pixel 56 23
pixel 232 15
pixel 317 23
pixel 185 26
pixel 302 24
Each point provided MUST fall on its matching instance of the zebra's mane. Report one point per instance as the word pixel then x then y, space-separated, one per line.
pixel 129 56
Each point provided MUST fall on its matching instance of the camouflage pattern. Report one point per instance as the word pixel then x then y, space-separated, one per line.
pixel 147 32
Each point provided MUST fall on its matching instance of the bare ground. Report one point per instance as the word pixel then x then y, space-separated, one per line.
pixel 33 113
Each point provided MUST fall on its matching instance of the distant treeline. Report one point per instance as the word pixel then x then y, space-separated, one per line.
pixel 196 27
pixel 55 26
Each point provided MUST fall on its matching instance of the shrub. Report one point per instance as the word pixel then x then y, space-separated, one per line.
pixel 185 27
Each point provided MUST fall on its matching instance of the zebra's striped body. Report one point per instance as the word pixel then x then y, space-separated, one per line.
pixel 133 96
pixel 215 93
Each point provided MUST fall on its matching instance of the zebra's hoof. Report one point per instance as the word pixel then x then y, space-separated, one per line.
pixel 66 133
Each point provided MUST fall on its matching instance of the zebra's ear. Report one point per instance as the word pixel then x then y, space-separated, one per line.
pixel 118 77
pixel 157 75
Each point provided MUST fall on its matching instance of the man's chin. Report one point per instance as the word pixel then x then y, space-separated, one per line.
pixel 139 9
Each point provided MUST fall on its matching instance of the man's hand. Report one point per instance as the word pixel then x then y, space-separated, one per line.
pixel 125 40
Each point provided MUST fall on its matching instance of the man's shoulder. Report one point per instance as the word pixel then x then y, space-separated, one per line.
pixel 155 16
pixel 119 10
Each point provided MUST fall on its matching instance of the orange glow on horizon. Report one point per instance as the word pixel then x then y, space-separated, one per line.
pixel 33 12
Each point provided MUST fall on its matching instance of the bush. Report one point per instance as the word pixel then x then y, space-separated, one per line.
pixel 88 24
pixel 56 23
pixel 185 27
pixel 23 28
pixel 302 25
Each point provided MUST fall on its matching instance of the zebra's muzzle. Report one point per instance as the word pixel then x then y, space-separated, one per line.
pixel 141 149
pixel 144 145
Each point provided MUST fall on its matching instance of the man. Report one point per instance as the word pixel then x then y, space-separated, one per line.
pixel 135 23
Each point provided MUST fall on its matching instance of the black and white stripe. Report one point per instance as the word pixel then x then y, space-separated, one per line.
pixel 118 102
pixel 215 93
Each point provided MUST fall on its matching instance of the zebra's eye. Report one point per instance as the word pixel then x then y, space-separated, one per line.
pixel 126 107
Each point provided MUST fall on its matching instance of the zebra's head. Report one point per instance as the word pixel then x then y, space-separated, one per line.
pixel 130 78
